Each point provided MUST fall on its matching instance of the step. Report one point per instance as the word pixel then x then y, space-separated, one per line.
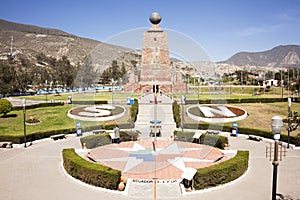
pixel 146 190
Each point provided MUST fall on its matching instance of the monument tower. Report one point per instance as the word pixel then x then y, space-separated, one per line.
pixel 156 73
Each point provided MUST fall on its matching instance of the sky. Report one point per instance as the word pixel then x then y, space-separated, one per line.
pixel 220 27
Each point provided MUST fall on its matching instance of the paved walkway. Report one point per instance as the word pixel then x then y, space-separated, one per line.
pixel 164 113
pixel 35 173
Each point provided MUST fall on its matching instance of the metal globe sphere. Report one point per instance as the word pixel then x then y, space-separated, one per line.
pixel 155 18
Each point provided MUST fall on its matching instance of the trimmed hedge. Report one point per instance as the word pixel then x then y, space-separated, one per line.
pixel 184 136
pixel 49 104
pixel 134 110
pixel 247 131
pixel 205 126
pixel 217 141
pixel 176 113
pixel 243 100
pixel 90 173
pixel 90 102
pixel 94 141
pixel 222 173
pixel 108 127
pixel 18 139
pixel 267 134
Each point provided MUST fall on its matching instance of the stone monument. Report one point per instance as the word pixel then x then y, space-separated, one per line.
pixel 156 72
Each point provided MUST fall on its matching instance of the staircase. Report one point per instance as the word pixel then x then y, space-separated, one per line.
pixel 164 113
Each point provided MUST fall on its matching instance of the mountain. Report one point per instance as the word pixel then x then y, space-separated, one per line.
pixel 280 56
pixel 28 41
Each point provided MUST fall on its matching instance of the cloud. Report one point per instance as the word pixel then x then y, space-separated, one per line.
pixel 286 17
pixel 258 30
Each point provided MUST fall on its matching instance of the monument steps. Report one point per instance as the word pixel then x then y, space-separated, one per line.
pixel 164 113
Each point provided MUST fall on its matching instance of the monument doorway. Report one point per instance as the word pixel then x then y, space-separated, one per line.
pixel 155 88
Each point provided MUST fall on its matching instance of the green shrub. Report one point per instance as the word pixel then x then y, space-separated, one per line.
pixel 128 136
pixel 90 173
pixel 134 110
pixel 222 173
pixel 18 139
pixel 205 126
pixel 89 102
pixel 268 134
pixel 183 136
pixel 243 100
pixel 218 141
pixel 247 131
pixel 94 141
pixel 176 113
pixel 40 105
pixel 5 106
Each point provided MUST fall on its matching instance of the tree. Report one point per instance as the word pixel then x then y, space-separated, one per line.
pixel 5 106
pixel 113 72
pixel 7 74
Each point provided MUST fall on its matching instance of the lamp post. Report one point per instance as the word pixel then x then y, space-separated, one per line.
pixel 276 125
pixel 289 121
pixel 24 120
pixel 182 111
pixel 112 91
pixel 198 87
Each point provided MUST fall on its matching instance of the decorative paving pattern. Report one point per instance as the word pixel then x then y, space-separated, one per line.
pixel 163 159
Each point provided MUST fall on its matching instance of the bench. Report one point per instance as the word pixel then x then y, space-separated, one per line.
pixel 59 136
pixel 99 131
pixel 155 131
pixel 6 145
pixel 212 132
pixel 255 138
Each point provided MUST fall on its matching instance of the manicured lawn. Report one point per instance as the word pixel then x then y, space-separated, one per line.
pixel 52 118
pixel 260 115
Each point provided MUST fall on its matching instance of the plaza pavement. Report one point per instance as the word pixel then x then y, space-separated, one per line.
pixel 36 173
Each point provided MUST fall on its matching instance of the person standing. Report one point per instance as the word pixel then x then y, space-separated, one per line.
pixel 117 134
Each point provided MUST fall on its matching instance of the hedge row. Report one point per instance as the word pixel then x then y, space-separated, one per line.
pixel 108 127
pixel 134 110
pixel 247 131
pixel 176 113
pixel 48 104
pixel 217 141
pixel 93 141
pixel 222 173
pixel 90 173
pixel 89 102
pixel 250 100
pixel 18 139
pixel 40 105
